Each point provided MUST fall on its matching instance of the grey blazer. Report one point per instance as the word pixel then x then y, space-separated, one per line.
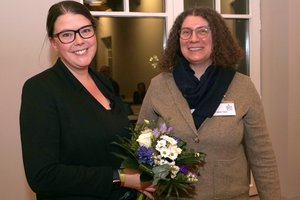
pixel 233 144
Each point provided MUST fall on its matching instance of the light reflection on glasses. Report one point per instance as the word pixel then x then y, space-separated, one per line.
pixel 201 32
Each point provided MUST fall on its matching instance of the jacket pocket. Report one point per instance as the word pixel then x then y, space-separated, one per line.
pixel 231 178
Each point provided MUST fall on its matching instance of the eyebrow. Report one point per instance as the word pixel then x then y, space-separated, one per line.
pixel 64 30
pixel 196 27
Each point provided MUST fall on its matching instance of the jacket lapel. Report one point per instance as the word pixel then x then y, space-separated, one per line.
pixel 181 103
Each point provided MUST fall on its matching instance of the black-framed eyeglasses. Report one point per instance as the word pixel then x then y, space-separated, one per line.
pixel 68 36
pixel 201 32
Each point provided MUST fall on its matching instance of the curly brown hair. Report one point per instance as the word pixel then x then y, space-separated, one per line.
pixel 226 50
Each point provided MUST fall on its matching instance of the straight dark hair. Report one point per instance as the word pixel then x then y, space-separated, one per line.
pixel 64 7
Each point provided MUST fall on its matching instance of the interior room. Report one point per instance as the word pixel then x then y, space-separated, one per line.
pixel 131 44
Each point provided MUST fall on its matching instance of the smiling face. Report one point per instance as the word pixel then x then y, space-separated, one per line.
pixel 78 54
pixel 197 49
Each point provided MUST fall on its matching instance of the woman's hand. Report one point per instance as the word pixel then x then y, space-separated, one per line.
pixel 132 180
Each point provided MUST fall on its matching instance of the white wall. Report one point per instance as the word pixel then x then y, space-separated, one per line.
pixel 280 87
pixel 21 39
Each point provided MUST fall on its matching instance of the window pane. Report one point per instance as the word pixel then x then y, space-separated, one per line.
pixel 104 5
pixel 235 7
pixel 196 3
pixel 240 30
pixel 147 5
pixel 130 46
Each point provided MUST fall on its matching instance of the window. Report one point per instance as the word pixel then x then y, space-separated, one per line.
pixel 132 34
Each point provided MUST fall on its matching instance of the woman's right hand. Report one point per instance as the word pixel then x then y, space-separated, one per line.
pixel 132 180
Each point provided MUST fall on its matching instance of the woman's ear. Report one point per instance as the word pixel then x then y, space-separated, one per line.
pixel 53 43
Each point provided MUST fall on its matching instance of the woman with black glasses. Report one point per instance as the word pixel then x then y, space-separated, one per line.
pixel 70 116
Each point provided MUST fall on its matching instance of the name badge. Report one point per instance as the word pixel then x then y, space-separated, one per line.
pixel 225 109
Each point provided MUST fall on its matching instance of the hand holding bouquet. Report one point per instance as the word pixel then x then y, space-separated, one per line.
pixel 163 158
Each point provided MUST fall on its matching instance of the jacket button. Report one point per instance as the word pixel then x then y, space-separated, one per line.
pixel 196 140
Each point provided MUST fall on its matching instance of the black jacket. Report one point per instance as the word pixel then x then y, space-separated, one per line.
pixel 66 136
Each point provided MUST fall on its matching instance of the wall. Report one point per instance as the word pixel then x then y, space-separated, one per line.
pixel 22 38
pixel 280 87
pixel 23 54
pixel 294 99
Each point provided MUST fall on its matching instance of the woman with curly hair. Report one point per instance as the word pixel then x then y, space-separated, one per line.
pixel 216 109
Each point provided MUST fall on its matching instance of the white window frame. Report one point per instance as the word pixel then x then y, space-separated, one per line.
pixel 175 7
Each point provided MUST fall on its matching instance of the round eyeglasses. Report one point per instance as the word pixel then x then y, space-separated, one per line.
pixel 201 32
pixel 68 36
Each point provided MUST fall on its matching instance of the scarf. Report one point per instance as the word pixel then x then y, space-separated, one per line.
pixel 205 95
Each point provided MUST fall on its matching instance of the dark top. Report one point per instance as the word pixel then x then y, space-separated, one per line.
pixel 138 97
pixel 115 86
pixel 66 136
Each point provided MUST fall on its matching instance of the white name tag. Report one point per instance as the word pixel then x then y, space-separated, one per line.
pixel 225 109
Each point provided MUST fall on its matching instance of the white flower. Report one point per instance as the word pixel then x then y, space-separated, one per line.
pixel 173 154
pixel 167 147
pixel 164 161
pixel 145 138
pixel 192 177
pixel 157 160
pixel 174 171
pixel 160 144
pixel 175 148
pixel 164 152
pixel 172 141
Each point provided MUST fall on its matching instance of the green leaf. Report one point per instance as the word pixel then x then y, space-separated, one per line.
pixel 146 169
pixel 141 196
pixel 160 172
pixel 146 177
pixel 130 163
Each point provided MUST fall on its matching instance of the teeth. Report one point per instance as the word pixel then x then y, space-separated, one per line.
pixel 80 52
pixel 195 49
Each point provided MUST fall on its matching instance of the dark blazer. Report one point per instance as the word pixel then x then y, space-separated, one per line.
pixel 66 136
pixel 232 143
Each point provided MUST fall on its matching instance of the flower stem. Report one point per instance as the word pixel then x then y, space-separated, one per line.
pixel 141 196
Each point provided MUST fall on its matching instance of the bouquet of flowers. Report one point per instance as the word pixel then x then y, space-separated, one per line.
pixel 163 158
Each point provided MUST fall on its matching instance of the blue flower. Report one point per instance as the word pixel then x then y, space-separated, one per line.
pixel 145 155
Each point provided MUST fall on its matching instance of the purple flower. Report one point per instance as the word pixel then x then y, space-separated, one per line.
pixel 170 129
pixel 184 169
pixel 145 155
pixel 165 129
pixel 156 133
